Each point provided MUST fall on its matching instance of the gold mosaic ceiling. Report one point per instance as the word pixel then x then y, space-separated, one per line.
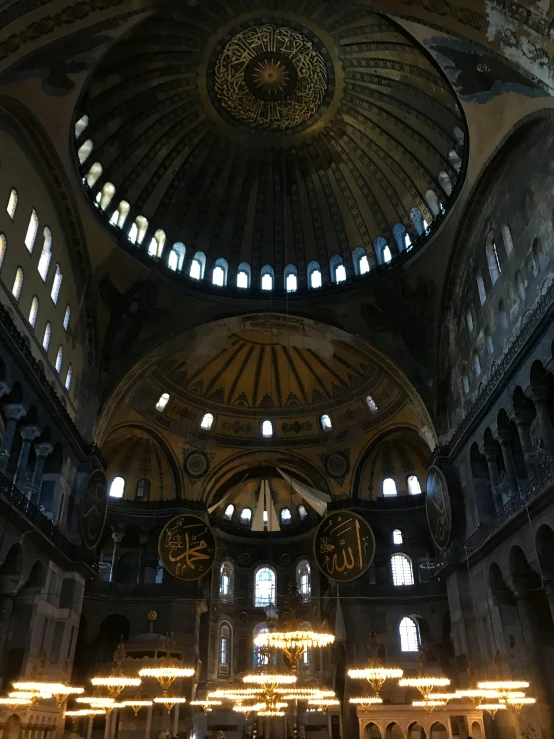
pixel 273 136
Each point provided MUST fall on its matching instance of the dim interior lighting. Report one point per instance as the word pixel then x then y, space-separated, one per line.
pixel 116 683
pixel 376 672
pixel 520 701
pixel 166 675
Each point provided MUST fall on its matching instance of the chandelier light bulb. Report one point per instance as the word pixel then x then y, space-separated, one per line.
pixel 366 700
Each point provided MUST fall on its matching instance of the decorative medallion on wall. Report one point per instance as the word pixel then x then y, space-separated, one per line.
pixel 439 510
pixel 94 508
pixel 243 617
pixel 187 547
pixel 245 558
pixel 285 559
pixel 196 464
pixel 344 546
pixel 337 465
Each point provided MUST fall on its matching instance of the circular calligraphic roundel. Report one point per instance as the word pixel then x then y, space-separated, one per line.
pixel 439 510
pixel 187 547
pixel 344 546
pixel 94 508
pixel 196 464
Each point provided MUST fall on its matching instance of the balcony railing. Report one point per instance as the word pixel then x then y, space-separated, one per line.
pixel 72 551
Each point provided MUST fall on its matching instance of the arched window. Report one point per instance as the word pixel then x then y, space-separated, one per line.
pixel 360 261
pixel 3 247
pixel 197 266
pixel 476 365
pixel 382 250
pixel 142 490
pixel 492 259
pixel 117 488
pixel 267 429
pixel 469 320
pixel 207 421
pixel 83 152
pixel 520 285
pixel 418 221
pixel 303 580
pixel 489 343
pixel 507 239
pixel 47 335
pixel 106 194
pixel 465 385
pixel 119 216
pixel 68 377
pixel 226 581
pixel 224 648
pixel 286 516
pixel 326 423
pixel 229 510
pixel 291 278
pixel 314 275
pixel 32 229
pixel 142 227
pixel 132 235
pixel 433 202
pixel 18 284
pixel 45 254
pixel 33 313
pixel 458 135
pixel 337 269
pixel 260 656
pixel 389 486
pixel 409 635
pixel 503 316
pixel 219 274
pixel 243 276
pixel 264 587
pixel 414 488
pixel 176 257
pixel 267 277
pixel 371 404
pixel 56 284
pixel 481 289
pixel 93 174
pixel 163 400
pixel 446 183
pixel 454 160
pixel 397 537
pixel 80 126
pixel 402 572
pixel 66 317
pixel 59 359
pixel 157 244
pixel 246 515
pixel 302 512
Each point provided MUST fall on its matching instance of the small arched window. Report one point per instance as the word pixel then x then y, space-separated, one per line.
pixel 382 250
pixel 243 276
pixel 33 313
pixel 397 537
pixel 414 488
pixel 80 126
pixel 260 656
pixel 337 269
pixel 465 385
pixel 219 274
pixel 18 284
pixel 371 404
pixel 503 316
pixel 163 400
pixel 66 317
pixel 226 581
pixel 314 275
pixel 454 160
pixel 520 285
pixel 433 202
pixel 267 429
pixel 360 261
pixel 418 221
pixel 409 635
pixel 291 278
pixel 157 244
pixel 469 320
pixel 481 289
pixel 302 512
pixel 12 204
pixel 507 239
pixel 489 343
pixel 303 580
pixel 458 135
pixel 476 365
pixel 246 515
pixel 176 257
pixel 402 572
pixel 32 229
pixel 94 174
pixel 84 151
pixel 286 516
pixel 59 359
pixel 197 266
pixel 3 247
pixel 264 587
pixel 389 486
pixel 207 421
pixel 56 284
pixel 117 488
pixel 267 277
pixel 142 490
pixel 106 194
pixel 45 254
pixel 446 183
pixel 47 335
pixel 326 423
pixel 224 648
pixel 493 261
pixel 229 510
pixel 68 377
pixel 142 226
pixel 119 216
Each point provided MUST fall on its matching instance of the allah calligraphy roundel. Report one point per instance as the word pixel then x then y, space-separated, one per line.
pixel 94 508
pixel 344 546
pixel 439 511
pixel 187 547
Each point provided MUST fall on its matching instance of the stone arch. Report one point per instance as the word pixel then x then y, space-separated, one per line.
pixel 416 731
pixel 372 731
pixel 12 727
pixel 476 730
pixel 481 484
pixel 394 731
pixel 438 731
pixel 13 562
pixel 545 549
pixel 113 629
pixel 37 576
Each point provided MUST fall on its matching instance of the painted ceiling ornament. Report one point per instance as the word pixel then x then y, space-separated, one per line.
pixel 344 546
pixel 94 508
pixel 187 547
pixel 439 510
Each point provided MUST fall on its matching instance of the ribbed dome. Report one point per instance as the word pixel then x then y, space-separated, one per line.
pixel 266 138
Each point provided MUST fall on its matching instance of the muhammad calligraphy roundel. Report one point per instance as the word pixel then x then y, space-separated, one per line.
pixel 344 546
pixel 94 508
pixel 187 547
pixel 439 510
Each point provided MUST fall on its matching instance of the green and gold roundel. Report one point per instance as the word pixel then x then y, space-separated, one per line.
pixel 187 547
pixel 344 546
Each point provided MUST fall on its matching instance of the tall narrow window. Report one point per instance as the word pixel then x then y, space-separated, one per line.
pixel 45 254
pixel 260 655
pixel 119 216
pixel 56 284
pixel 469 321
pixel 481 289
pixel 163 400
pixel 33 313
pixel 476 365
pixel 397 537
pixel 195 270
pixel 267 278
pixel 84 151
pixel 229 510
pixel 176 257
pixel 157 242
pixel 207 421
pixel 465 385
pixel 489 343
pixel 47 335
pixel 80 126
pixel 492 259
pixel 12 204
pixel 224 648
pixel 291 279
pixel 303 580
pixel 286 516
pixel 326 423
pixel 314 275
pixel 93 174
pixel 371 404
pixel 267 429
pixel 409 635
pixel 414 488
pixel 302 512
pixel 142 490
pixel 246 515
pixel 66 317
pixel 3 247
pixel 264 587
pixel 226 580
pixel 243 275
pixel 507 239
pixel 360 261
pixel 389 486
pixel 59 359
pixel 219 275
pixel 117 488
pixel 18 284
pixel 68 377
pixel 402 572
pixel 387 255
pixel 32 229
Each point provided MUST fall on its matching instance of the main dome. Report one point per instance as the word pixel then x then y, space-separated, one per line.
pixel 231 142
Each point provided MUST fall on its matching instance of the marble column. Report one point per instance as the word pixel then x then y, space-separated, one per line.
pixel 148 723
pixel 13 413
pixel 117 537
pixel 539 396
pixel 6 610
pixel 505 438
pixel 28 434
pixel 523 424
pixel 490 456
pixel 90 726
pixel 176 720
pixel 41 452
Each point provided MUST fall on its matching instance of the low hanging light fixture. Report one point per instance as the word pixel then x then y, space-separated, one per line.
pixel 169 701
pixel 518 702
pixel 136 704
pixel 366 701
pixel 207 704
pixel 424 682
pixel 166 672
pixel 376 672
pixel 492 708
pixel 60 691
pixel 15 701
pixel 86 712
pixel 324 703
pixel 116 681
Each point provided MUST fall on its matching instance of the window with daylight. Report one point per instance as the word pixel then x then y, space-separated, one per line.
pixel 243 276
pixel 397 536
pixel 157 242
pixel 66 317
pixel 45 254
pixel 142 490
pixel 267 429
pixel 476 365
pixel 481 289
pixel 489 343
pixel 259 656
pixel 106 194
pixel 371 404
pixel 80 126
pixel 3 247
pixel 229 510
pixel 325 421
pixel 224 648
pixel 267 277
pixel 414 488
pixel 197 266
pixel 32 229
pixel 117 488
pixel 56 284
pixel 445 182
pixel 59 359
pixel 337 269
pixel 507 239
pixel 360 261
pixel 176 257
pixel 142 226
pixel 303 579
pixel 302 512
pixel 226 580
pixel 493 261
pixel 402 572
pixel 207 421
pixel 389 486
pixel 18 284
pixel 219 275
pixel 454 160
pixel 246 515
pixel 12 204
pixel 409 635
pixel 119 216
pixel 68 377
pixel 469 321
pixel 47 335
pixel 33 313
pixel 264 587
pixel 93 174
pixel 286 516
pixel 83 152
pixel 465 385
pixel 387 256
pixel 291 278
pixel 314 275
pixel 163 400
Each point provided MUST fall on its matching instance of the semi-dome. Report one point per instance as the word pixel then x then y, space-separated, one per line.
pixel 270 148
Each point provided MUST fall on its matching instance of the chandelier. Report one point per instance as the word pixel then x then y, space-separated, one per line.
pixel 207 704
pixel 424 682
pixel 85 712
pixel 375 673
pixel 136 705
pixel 167 671
pixel 169 701
pixel 60 691
pixel 492 708
pixel 31 694
pixel 15 701
pixel 106 704
pixel 324 703
pixel 116 681
pixel 366 701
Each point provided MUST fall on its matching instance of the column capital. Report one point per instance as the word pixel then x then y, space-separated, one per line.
pixel 490 452
pixel 117 536
pixel 14 411
pixel 4 388
pixel 539 393
pixel 43 449
pixel 30 433
pixel 504 436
